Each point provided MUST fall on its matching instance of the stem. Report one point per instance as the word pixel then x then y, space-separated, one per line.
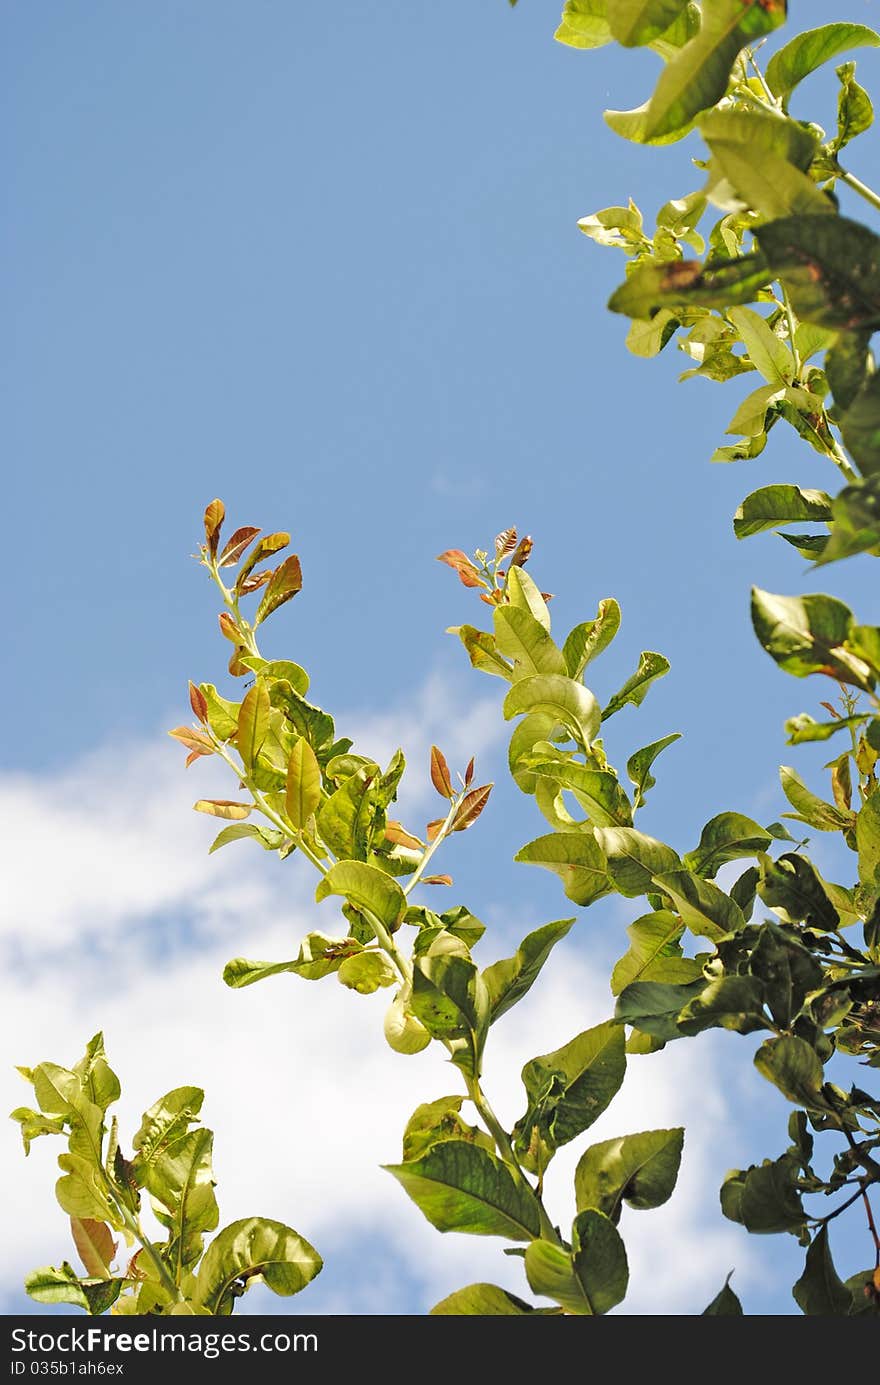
pixel 841 461
pixel 432 846
pixel 264 808
pixel 132 1223
pixel 230 601
pixel 771 99
pixel 789 317
pixel 388 946
pixel 868 1164
pixel 506 1150
pixel 869 195
pixel 823 1221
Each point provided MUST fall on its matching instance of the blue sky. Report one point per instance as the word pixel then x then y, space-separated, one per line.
pixel 324 263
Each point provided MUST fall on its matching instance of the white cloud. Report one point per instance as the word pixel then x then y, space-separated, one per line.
pixel 121 921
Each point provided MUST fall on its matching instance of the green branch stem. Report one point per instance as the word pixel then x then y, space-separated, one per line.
pixel 432 846
pixel 866 193
pixel 132 1224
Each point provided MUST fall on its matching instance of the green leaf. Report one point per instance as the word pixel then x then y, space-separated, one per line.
pixel 705 909
pixel 809 50
pixel 181 1179
pixel 253 724
pixel 318 957
pixel 482 650
pixel 725 1304
pixel 807 634
pixel 599 1260
pixel 634 858
pixel 254 1248
pixel 537 726
pixel 653 1006
pixel 576 858
pixel 698 76
pixel 570 1088
pixel 855 112
pixel 50 1286
pixel 366 972
pixel 222 714
pixel 448 997
pixel 166 1123
pixel 303 792
pixel 269 841
pixel 772 506
pixel 82 1190
pixel 651 667
pixel 726 837
pixel 636 125
pixel 563 698
pixel 805 728
pixel 830 267
pixel 584 24
pixel 304 717
pixel 588 1280
pixel 733 1002
pixel 34 1123
pixel 461 1187
pixel 482 1300
pixel 524 639
pixel 820 1292
pixel 99 1083
pixel 868 840
pixel 524 595
pixel 597 790
pixel 618 226
pixel 284 669
pixel 686 283
pixel 655 953
pixel 793 887
pixel 792 1065
pixel 636 22
pixel 860 426
pixel 368 889
pixel 508 981
pixel 640 1170
pixel 788 972
pixel 825 817
pixel 760 157
pixel 435 1121
pixel 638 766
pixel 765 1198
pixel 771 356
pixel 855 521
pixel 588 640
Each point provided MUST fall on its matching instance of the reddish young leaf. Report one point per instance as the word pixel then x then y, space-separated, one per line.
pixel 440 776
pixel 469 773
pixel 521 556
pixel 237 544
pixel 471 807
pixel 198 703
pixel 195 755
pixel 255 581
pixel 436 879
pixel 223 808
pixel 192 739
pixel 286 582
pixel 235 666
pixel 829 707
pixel 268 545
pixel 505 543
pixel 397 833
pixel 432 831
pixel 214 517
pixel 228 627
pixel 461 563
pixel 95 1245
pixel 492 598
